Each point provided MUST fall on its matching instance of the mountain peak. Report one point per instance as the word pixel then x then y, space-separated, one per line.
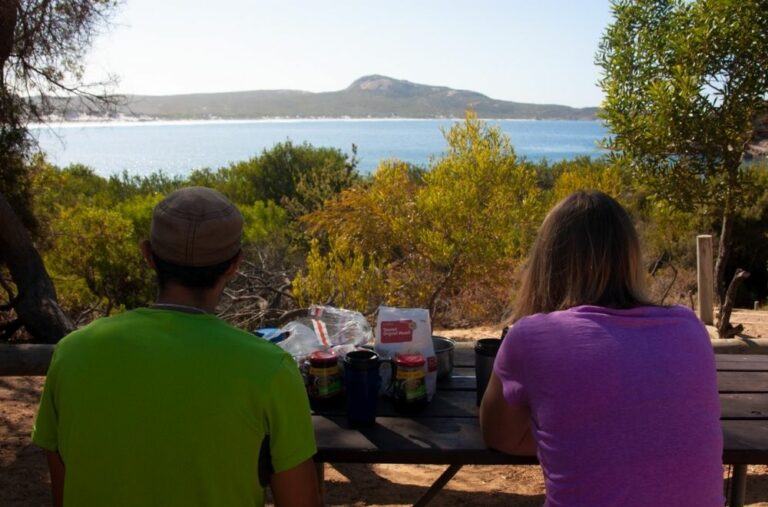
pixel 378 83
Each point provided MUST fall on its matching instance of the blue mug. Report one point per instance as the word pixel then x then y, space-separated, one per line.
pixel 362 382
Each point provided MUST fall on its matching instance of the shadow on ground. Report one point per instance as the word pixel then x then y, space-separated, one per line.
pixel 366 487
pixel 24 478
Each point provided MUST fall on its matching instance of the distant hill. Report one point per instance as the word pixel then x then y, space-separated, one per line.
pixel 368 97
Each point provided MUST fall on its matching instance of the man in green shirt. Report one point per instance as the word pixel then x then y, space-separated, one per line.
pixel 169 405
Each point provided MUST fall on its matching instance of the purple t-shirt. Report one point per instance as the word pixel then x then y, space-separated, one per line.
pixel 624 405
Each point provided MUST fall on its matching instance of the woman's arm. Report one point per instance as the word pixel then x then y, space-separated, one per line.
pixel 505 427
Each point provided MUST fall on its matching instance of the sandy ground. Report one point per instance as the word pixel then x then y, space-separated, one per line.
pixel 24 481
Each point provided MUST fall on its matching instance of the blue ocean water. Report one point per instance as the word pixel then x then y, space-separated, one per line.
pixel 176 148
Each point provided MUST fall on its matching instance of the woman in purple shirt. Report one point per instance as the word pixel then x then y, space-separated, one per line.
pixel 616 396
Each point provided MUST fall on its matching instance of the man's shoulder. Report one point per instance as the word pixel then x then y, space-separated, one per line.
pixel 92 329
pixel 148 325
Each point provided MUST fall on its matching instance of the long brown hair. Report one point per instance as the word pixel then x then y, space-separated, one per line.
pixel 586 253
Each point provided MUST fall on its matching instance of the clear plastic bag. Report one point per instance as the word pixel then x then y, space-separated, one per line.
pixel 325 328
pixel 300 340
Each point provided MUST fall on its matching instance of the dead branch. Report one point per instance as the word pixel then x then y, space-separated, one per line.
pixel 260 295
pixel 664 260
pixel 724 327
pixel 671 284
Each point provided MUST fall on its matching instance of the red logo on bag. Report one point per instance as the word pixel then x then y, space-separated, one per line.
pixel 432 363
pixel 397 331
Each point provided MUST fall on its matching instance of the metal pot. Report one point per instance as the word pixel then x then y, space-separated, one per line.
pixel 444 353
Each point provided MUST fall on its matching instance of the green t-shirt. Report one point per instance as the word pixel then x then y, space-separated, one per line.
pixel 163 408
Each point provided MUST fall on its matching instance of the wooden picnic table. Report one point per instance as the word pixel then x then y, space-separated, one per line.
pixel 447 431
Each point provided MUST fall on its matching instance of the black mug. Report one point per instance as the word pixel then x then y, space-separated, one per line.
pixel 362 382
pixel 485 354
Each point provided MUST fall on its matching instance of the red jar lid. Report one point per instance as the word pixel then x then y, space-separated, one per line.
pixel 323 358
pixel 410 360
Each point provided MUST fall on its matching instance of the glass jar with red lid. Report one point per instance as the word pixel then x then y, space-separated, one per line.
pixel 410 386
pixel 324 380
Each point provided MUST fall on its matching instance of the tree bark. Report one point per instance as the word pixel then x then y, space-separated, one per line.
pixel 723 252
pixel 9 10
pixel 36 304
pixel 724 327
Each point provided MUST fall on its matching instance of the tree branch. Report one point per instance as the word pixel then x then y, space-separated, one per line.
pixel 724 327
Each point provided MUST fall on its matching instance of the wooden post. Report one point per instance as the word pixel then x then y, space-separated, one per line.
pixel 705 277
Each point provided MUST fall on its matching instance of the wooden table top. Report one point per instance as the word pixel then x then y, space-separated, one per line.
pixel 447 430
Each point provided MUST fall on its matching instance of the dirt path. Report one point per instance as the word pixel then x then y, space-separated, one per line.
pixel 24 480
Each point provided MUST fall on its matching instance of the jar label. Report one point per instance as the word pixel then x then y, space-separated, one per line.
pixel 403 374
pixel 324 382
pixel 324 372
pixel 325 387
pixel 414 389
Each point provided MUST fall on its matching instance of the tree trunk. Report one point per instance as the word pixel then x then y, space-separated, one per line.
pixel 724 327
pixel 724 251
pixel 9 10
pixel 36 304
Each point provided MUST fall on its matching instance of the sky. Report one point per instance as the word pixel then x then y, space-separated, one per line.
pixel 519 50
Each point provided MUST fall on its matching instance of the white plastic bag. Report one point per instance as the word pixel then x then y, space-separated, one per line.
pixel 300 341
pixel 325 328
pixel 407 331
pixel 338 326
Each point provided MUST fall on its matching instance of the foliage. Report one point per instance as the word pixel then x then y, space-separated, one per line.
pixel 378 218
pixel 125 186
pixel 449 237
pixel 282 184
pixel 376 215
pixel 89 239
pixel 91 226
pixel 669 232
pixel 55 189
pixel 42 45
pixel 265 223
pixel 685 83
pixel 300 178
pixel 433 231
pixel 14 179
pixel 95 260
pixel 584 173
pixel 345 277
pixel 480 206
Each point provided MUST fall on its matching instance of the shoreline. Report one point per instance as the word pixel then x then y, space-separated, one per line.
pixel 133 122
